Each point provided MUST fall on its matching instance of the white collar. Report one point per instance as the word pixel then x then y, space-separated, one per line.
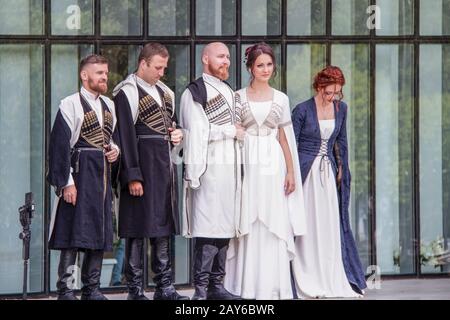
pixel 89 95
pixel 145 84
pixel 211 78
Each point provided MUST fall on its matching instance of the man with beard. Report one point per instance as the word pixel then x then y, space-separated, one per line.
pixel 81 151
pixel 147 125
pixel 212 171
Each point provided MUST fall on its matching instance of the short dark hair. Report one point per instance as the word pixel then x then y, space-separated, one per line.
pixel 152 49
pixel 92 59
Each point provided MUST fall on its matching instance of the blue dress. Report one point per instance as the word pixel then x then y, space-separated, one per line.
pixel 310 145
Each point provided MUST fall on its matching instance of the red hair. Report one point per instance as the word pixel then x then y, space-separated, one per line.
pixel 330 75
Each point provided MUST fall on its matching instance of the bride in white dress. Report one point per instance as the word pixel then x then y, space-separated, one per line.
pixel 258 261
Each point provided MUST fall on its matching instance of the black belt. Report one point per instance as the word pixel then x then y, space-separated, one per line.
pixel 79 150
pixel 87 149
pixel 154 136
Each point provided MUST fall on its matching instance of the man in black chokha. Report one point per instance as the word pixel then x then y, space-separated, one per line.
pixel 81 152
pixel 147 125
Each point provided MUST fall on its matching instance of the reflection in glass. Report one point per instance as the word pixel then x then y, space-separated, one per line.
pixel 215 17
pixel 394 154
pixel 24 17
pixel 121 18
pixel 123 60
pixel 72 17
pixel 261 18
pixel 435 17
pixel 306 17
pixel 21 162
pixel 64 71
pixel 275 82
pixel 199 67
pixel 349 17
pixel 354 62
pixel 178 71
pixel 303 62
pixel 396 17
pixel 434 157
pixel 168 17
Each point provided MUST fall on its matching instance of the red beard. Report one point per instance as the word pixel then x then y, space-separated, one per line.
pixel 100 87
pixel 221 72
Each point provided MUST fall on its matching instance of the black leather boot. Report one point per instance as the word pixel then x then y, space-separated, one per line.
pixel 204 253
pixel 90 275
pixel 134 268
pixel 65 281
pixel 216 290
pixel 162 268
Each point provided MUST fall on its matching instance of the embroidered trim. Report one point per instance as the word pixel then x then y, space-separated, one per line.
pixel 93 133
pixel 217 111
pixel 157 118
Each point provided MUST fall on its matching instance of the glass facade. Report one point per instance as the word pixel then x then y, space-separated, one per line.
pixel 394 113
pixel 396 58
pixel 72 18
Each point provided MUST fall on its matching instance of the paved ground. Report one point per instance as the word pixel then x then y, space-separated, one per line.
pixel 428 289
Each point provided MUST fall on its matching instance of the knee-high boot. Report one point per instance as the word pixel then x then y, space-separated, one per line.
pixel 134 268
pixel 216 290
pixel 90 275
pixel 65 281
pixel 204 253
pixel 162 268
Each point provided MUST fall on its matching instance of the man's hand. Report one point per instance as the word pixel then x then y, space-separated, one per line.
pixel 176 135
pixel 70 194
pixel 240 132
pixel 111 153
pixel 135 188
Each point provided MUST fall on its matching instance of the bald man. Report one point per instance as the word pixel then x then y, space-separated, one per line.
pixel 212 177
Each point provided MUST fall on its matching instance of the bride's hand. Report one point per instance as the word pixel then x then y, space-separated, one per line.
pixel 289 183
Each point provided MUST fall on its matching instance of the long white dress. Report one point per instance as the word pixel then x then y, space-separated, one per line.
pixel 258 262
pixel 318 267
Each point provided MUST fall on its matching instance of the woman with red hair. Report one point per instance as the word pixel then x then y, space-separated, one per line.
pixel 327 262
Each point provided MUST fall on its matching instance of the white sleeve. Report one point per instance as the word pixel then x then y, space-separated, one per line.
pixel 286 114
pixel 196 136
pixel 297 215
pixel 115 146
pixel 73 114
pixel 70 182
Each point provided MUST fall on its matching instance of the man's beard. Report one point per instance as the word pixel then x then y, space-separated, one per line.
pixel 98 87
pixel 221 72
